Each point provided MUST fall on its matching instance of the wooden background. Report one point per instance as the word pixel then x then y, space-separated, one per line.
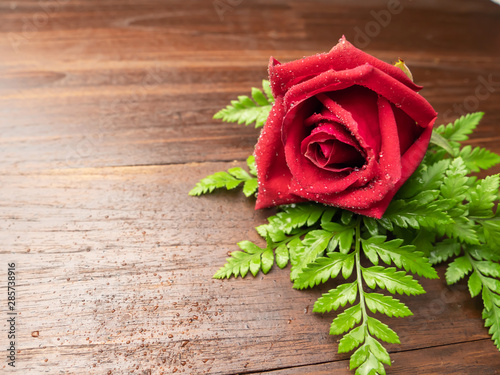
pixel 106 123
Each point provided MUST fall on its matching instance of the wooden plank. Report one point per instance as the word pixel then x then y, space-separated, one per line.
pixel 114 271
pixel 151 102
pixel 451 359
pixel 105 125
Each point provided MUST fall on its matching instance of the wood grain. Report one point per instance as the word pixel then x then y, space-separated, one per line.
pixel 105 125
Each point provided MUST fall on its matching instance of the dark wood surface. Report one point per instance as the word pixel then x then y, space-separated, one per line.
pixel 105 125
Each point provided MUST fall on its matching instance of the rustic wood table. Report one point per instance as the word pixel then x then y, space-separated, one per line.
pixel 106 124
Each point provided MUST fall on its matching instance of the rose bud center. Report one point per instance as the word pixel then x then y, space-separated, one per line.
pixel 331 147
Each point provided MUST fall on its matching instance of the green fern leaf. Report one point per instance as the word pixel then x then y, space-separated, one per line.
pixel 336 297
pixel 252 258
pixel 352 339
pixel 416 214
pixel 474 283
pixel 229 180
pixel 382 331
pixel 402 256
pixel 492 321
pixel 459 131
pixel 478 158
pixel 266 85
pixel 343 236
pixel 483 196
pixel 455 186
pixel 251 165
pixel 370 358
pixel 458 269
pixel 247 111
pixel 282 255
pixel 482 252
pixel 367 362
pixel 462 228
pixel 314 243
pixel 491 230
pixel 345 321
pixel 426 177
pixel 392 280
pixel 292 217
pixel 321 269
pixel 387 305
pixel 444 250
pixel 488 268
pixel 214 181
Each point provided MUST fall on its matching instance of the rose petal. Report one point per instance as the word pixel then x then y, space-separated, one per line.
pixel 342 56
pixel 273 174
pixel 410 162
pixel 331 147
pixel 361 103
pixel 307 177
pixel 413 104
pixel 361 200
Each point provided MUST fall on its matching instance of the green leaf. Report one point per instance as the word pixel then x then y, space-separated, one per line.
pixel 328 215
pixel 352 339
pixel 427 177
pixel 382 331
pixel 377 302
pixel 483 196
pixel 392 280
pixel 402 256
pixel 369 357
pixel 239 173
pixel 488 268
pixel 461 128
pixel 321 270
pixel 229 180
pixel 252 258
pixel 454 186
pixel 359 357
pixel 424 241
pixel 482 252
pixel 214 181
pixel 282 255
pixel 267 261
pixel 343 236
pixel 266 85
pixel 337 297
pixel 259 97
pixel 492 321
pixel 444 250
pixel 250 187
pixel 474 283
pixel 458 269
pixel 371 225
pixel 371 366
pixel 492 284
pixel 442 142
pixel 478 158
pixel 346 217
pixel 491 230
pixel 348 266
pixel 416 214
pixel 295 216
pixel 378 350
pixel 345 321
pixel 461 228
pixel 314 243
pixel 251 165
pixel 247 111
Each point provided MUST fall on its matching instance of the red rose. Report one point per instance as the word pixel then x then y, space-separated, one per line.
pixel 346 130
